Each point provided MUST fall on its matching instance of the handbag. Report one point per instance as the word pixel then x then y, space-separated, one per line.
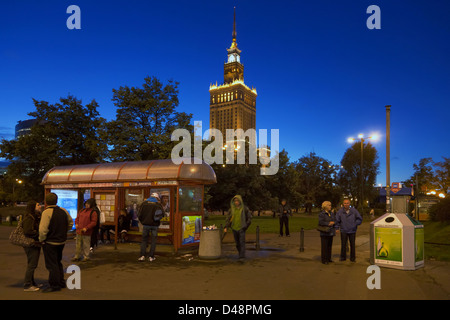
pixel 18 237
pixel 323 229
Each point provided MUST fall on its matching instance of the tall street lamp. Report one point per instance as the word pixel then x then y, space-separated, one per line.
pixel 14 188
pixel 362 138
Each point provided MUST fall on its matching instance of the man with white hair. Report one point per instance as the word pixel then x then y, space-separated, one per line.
pixel 150 214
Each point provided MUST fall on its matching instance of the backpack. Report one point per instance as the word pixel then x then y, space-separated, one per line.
pixel 97 210
pixel 159 214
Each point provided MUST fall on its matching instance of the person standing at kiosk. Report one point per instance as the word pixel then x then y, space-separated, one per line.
pixel 150 214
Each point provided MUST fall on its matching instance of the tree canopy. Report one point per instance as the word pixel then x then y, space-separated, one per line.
pixel 65 133
pixel 145 119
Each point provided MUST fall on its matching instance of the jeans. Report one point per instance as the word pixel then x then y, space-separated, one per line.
pixel 145 235
pixel 33 254
pixel 82 246
pixel 239 238
pixel 351 237
pixel 53 257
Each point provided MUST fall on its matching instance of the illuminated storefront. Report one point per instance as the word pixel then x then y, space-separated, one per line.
pixel 125 185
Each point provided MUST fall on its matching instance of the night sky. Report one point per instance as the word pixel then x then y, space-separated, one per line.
pixel 320 73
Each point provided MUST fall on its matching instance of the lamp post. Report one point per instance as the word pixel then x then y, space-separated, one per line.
pixel 388 158
pixel 362 139
pixel 14 188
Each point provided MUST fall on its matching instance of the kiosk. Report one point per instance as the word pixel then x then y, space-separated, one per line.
pixel 125 185
pixel 397 241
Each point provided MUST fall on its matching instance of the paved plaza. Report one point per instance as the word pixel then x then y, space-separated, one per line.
pixel 278 271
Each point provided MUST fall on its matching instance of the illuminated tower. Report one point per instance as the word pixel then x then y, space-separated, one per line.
pixel 232 104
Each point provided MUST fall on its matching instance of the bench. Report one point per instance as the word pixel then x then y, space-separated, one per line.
pixel 163 237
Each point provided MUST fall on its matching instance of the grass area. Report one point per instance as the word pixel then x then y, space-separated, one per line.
pixel 267 224
pixel 437 240
pixel 14 211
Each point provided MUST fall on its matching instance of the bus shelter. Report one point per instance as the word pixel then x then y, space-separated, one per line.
pixel 125 185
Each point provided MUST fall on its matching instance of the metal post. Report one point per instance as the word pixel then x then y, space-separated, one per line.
pixel 388 158
pixel 362 176
pixel 302 240
pixel 257 238
pixel 416 193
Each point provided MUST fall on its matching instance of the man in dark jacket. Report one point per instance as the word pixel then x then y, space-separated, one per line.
pixel 53 228
pixel 284 211
pixel 347 220
pixel 150 214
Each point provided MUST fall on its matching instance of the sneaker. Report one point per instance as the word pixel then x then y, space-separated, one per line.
pixel 142 258
pixel 151 259
pixel 50 289
pixel 31 289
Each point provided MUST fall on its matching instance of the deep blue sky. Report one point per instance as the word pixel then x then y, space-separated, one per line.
pixel 321 75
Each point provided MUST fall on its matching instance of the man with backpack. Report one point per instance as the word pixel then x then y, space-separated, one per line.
pixel 150 214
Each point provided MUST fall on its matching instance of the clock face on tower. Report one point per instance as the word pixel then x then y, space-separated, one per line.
pixel 233 58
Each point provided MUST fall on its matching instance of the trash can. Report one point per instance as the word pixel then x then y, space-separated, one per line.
pixel 210 244
pixel 397 241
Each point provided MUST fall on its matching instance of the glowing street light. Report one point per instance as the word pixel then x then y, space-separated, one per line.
pixel 373 137
pixel 14 187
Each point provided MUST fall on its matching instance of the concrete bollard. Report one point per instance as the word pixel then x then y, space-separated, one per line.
pixel 302 240
pixel 257 238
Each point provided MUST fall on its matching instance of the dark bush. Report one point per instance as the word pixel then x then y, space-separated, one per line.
pixel 440 211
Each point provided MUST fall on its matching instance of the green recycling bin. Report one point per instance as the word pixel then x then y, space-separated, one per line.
pixel 397 241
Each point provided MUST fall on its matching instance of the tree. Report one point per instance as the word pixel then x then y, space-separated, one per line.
pixel 145 120
pixel 423 175
pixel 65 133
pixel 442 173
pixel 316 180
pixel 439 211
pixel 285 183
pixel 242 179
pixel 349 177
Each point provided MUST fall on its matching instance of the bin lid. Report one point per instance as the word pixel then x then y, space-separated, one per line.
pixel 396 220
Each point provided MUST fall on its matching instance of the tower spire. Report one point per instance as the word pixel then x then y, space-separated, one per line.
pixel 234 44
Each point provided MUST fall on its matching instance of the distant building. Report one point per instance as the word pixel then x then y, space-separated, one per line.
pixel 24 127
pixel 233 103
pixel 4 167
pixel 399 198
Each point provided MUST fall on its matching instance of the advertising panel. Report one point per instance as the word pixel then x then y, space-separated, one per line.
pixel 191 228
pixel 68 199
pixel 388 246
pixel 419 241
